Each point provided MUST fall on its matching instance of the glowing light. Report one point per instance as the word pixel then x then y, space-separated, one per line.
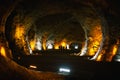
pixel 2 51
pixel 99 57
pixel 50 46
pixel 91 52
pixel 32 44
pixel 95 42
pixel 64 70
pixel 44 39
pixel 38 45
pixel 44 45
pixel 115 48
pixel 56 46
pixel 83 50
pixel 113 52
pixel 68 47
pixel 117 60
pixel 76 46
pixel 32 66
pixel 19 32
pixel 93 48
pixel 63 44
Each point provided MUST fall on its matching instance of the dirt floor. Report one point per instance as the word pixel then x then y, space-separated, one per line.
pixel 80 67
pixel 48 68
pixel 10 70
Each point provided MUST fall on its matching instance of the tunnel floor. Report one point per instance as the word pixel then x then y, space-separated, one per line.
pixel 80 68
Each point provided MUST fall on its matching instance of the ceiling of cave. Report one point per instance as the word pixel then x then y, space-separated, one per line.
pixel 61 20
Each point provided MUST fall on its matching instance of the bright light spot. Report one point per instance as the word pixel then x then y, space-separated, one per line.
pixel 68 46
pixel 2 51
pixel 63 44
pixel 44 44
pixel 83 51
pixel 32 66
pixel 64 70
pixel 50 46
pixel 56 46
pixel 32 44
pixel 76 46
pixel 38 45
pixel 30 51
pixel 99 57
pixel 91 52
pixel 115 48
pixel 112 52
pixel 117 60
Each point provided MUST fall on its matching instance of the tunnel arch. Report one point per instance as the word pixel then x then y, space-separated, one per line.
pixel 78 15
pixel 10 33
pixel 4 43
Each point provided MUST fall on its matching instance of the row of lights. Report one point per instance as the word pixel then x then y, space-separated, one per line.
pixel 50 45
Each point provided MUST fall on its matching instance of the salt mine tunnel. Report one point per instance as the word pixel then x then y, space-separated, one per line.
pixel 27 27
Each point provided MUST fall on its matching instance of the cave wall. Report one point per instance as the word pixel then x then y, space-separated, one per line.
pixel 83 15
pixel 85 12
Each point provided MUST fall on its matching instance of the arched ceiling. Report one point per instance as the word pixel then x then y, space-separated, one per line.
pixel 62 19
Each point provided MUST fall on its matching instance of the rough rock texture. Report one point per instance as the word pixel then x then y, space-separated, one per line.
pixel 9 70
pixel 104 12
pixel 71 21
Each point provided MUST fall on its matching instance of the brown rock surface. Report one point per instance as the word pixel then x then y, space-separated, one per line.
pixel 9 70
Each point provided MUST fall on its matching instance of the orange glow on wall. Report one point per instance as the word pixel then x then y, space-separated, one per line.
pixel 32 44
pixel 94 40
pixel 115 48
pixel 19 32
pixel 56 46
pixel 63 44
pixel 93 48
pixel 99 57
pixel 44 39
pixel 112 53
pixel 44 45
pixel 2 51
pixel 91 52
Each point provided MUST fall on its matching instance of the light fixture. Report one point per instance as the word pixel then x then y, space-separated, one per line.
pixel 32 67
pixel 64 70
pixel 50 46
pixel 76 47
